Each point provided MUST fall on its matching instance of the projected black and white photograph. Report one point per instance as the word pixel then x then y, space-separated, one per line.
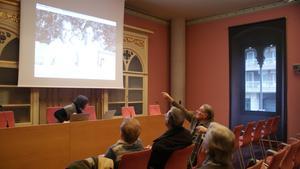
pixel 73 45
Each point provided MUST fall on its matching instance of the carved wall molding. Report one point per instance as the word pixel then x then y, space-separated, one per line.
pixel 136 41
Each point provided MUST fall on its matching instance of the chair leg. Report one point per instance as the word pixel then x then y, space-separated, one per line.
pixel 261 149
pixel 237 154
pixel 252 151
pixel 242 158
pixel 270 144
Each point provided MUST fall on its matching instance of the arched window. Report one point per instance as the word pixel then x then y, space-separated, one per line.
pixel 260 79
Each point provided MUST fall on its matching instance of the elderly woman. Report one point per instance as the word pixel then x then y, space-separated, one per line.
pixel 78 105
pixel 129 142
pixel 176 137
pixel 218 145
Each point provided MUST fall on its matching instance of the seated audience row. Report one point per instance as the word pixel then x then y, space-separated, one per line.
pixel 218 142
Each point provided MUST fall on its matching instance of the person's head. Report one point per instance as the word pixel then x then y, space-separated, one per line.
pixel 219 143
pixel 174 118
pixel 81 101
pixel 205 112
pixel 130 130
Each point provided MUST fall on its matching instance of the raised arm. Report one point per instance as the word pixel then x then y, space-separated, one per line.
pixel 189 114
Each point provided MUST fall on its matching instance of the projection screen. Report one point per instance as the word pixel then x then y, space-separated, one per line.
pixel 71 43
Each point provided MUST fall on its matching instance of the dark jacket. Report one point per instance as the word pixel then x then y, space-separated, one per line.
pixel 65 113
pixel 165 145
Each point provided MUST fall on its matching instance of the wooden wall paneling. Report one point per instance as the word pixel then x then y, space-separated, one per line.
pixel 34 147
pixel 55 146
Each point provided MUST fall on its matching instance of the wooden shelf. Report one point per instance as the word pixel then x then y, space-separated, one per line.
pixel 116 102
pixel 16 105
pixel 8 86
pixel 134 102
pixel 135 89
pixel 8 64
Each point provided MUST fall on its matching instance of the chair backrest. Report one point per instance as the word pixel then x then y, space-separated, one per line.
pixel 179 158
pixel 50 114
pixel 258 165
pixel 10 118
pixel 7 119
pixel 154 110
pixel 3 122
pixel 275 124
pixel 288 161
pixel 237 133
pixel 92 111
pixel 247 136
pixel 257 131
pixel 297 158
pixel 128 111
pixel 278 158
pixel 268 127
pixel 135 160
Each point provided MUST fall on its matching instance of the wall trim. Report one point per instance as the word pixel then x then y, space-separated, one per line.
pixel 145 16
pixel 242 12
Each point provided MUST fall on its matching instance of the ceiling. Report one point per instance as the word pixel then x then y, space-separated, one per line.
pixel 192 9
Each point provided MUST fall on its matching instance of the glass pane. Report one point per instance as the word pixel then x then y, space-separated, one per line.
pixel 138 107
pixel 260 80
pixel 22 114
pixel 135 65
pixel 116 95
pixel 135 95
pixel 8 76
pixel 117 107
pixel 135 82
pixel 14 96
pixel 11 51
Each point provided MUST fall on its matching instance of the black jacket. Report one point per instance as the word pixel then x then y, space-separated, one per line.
pixel 165 145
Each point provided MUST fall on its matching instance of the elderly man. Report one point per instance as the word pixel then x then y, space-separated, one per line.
pixel 176 137
pixel 219 147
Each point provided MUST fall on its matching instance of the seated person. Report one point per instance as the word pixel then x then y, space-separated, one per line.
pixel 199 121
pixel 218 145
pixel 175 138
pixel 129 142
pixel 78 105
pixel 201 117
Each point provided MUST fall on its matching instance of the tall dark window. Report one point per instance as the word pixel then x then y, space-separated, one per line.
pixel 257 72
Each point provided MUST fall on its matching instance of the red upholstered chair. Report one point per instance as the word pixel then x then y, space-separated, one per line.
pixel 3 122
pixel 154 110
pixel 275 161
pixel 10 118
pixel 256 136
pixel 92 111
pixel 275 126
pixel 288 161
pixel 135 160
pixel 237 133
pixel 128 111
pixel 258 165
pixel 266 132
pixel 297 158
pixel 50 114
pixel 200 159
pixel 179 158
pixel 7 119
pixel 246 139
